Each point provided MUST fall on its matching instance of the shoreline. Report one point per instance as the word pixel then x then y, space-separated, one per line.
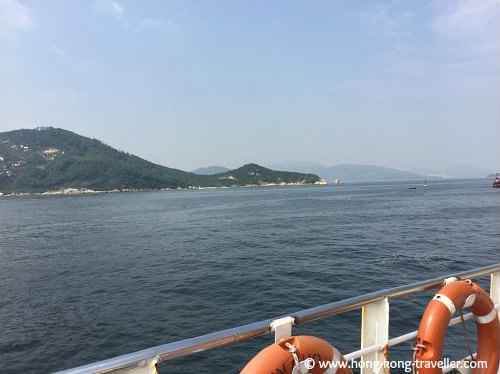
pixel 87 191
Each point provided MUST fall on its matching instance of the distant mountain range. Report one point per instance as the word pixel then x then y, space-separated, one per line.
pixel 360 173
pixel 354 173
pixel 351 172
pixel 48 159
pixel 463 171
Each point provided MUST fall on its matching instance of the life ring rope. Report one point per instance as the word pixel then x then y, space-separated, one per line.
pixel 293 351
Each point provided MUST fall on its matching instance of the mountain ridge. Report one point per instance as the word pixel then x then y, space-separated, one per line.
pixel 210 170
pixel 351 172
pixel 50 159
pixel 365 172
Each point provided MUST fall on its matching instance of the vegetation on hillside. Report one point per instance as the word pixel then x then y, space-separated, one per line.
pixel 48 159
pixel 256 174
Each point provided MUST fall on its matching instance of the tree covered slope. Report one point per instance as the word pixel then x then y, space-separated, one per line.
pixel 48 159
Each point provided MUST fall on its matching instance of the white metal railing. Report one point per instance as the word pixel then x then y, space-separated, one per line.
pixel 375 339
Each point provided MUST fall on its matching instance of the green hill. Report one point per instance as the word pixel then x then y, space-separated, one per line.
pixel 253 174
pixel 49 159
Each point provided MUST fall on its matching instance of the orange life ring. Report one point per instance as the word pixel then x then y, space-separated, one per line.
pixel 431 332
pixel 308 351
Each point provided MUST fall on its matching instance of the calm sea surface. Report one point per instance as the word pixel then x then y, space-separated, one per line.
pixel 84 278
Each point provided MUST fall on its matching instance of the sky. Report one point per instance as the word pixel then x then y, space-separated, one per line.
pixel 404 84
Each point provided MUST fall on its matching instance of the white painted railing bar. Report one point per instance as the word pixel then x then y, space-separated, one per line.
pixel 357 302
pixel 397 340
pixel 365 351
pixel 177 349
pixel 402 338
pixel 189 346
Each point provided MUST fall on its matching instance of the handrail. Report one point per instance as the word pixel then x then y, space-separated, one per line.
pixel 189 346
pixel 404 338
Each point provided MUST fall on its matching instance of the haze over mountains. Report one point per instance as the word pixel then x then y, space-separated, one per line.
pixel 350 172
pixel 361 173
pixel 355 173
pixel 48 159
pixel 210 170
pixel 462 171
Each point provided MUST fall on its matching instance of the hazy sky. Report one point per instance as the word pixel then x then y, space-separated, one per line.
pixel 185 84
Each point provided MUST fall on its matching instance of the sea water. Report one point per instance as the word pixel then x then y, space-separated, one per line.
pixel 85 278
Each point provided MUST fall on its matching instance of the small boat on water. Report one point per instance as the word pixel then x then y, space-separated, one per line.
pixel 337 182
pixel 425 183
pixel 496 182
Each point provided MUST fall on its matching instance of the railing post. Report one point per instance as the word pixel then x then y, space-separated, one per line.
pixel 375 331
pixel 282 328
pixel 144 367
pixel 495 292
pixel 495 287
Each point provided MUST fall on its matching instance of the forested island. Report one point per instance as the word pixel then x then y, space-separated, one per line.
pixel 51 159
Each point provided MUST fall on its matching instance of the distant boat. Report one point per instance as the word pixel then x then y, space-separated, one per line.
pixel 425 183
pixel 337 182
pixel 496 182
